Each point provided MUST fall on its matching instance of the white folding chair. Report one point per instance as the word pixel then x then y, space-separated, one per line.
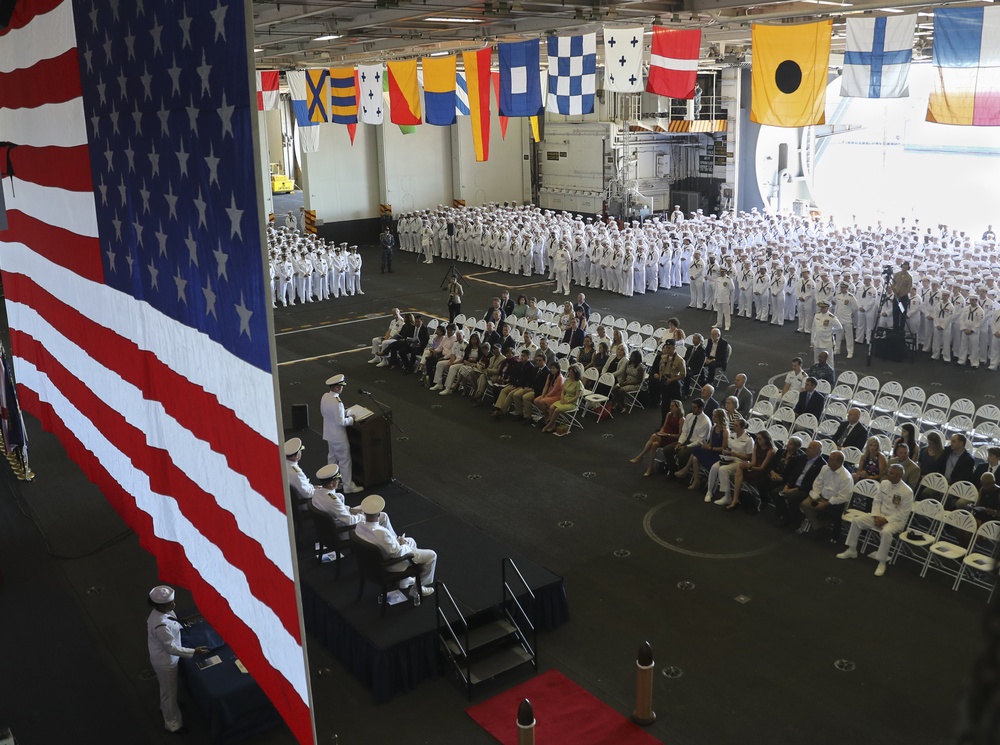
pixel 868 383
pixel 631 400
pixel 909 412
pixel 852 456
pixel 938 401
pixel 806 422
pixel 564 365
pixel 783 416
pixel 933 419
pixel 828 447
pixel 863 399
pixel 987 413
pixel 824 387
pixel 959 423
pixel 884 445
pixel 862 497
pixel 609 323
pixel 790 399
pixel 914 395
pixel 562 349
pixel 762 409
pixel 635 341
pixel 961 490
pixel 963 407
pixel 883 425
pixel 633 327
pixel 848 378
pixel 770 392
pixel 945 555
pixel 595 319
pixel 574 353
pixel 804 436
pixel 620 324
pixel 836 411
pixel 596 399
pixel 827 429
pixel 460 320
pixel 433 324
pixel 885 405
pixel 979 566
pixel 986 433
pixel 865 418
pixel 779 434
pixel 932 482
pixel 590 376
pixel 572 417
pixel 842 393
pixel 922 530
pixel 646 329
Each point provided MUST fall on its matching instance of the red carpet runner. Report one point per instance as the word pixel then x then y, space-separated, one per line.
pixel 565 714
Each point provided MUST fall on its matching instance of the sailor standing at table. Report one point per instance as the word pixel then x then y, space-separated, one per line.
pixel 163 637
pixel 336 420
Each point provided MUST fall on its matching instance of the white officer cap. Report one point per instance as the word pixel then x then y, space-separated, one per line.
pixel 161 594
pixel 338 379
pixel 372 504
pixel 293 446
pixel 327 472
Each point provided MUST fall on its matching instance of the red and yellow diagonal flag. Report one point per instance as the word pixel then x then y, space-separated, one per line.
pixel 477 79
pixel 404 93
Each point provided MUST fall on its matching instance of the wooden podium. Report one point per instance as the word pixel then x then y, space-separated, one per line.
pixel 371 450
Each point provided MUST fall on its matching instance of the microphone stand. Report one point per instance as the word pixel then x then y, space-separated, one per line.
pixel 385 414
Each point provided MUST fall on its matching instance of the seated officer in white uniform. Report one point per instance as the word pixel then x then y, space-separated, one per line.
pixel 393 546
pixel 298 482
pixel 890 511
pixel 327 498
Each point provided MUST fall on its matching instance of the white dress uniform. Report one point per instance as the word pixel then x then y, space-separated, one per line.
pixel 298 482
pixel 336 420
pixel 776 299
pixel 696 273
pixel 867 298
pixel 941 339
pixel 395 547
pixel 723 301
pixel 970 321
pixel 893 502
pixel 847 306
pixel 163 638
pixel 823 327
pixel 761 293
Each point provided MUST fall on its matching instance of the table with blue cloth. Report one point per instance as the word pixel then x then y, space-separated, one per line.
pixel 232 703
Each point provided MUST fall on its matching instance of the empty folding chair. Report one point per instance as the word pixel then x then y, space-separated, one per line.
pixel 806 422
pixel 460 320
pixel 650 344
pixel 914 395
pixel 620 324
pixel 633 327
pixel 888 397
pixel 770 392
pixel 938 401
pixel 646 329
pixel 828 447
pixel 609 322
pixel 790 399
pixel 883 425
pixel 590 376
pixel 756 425
pixel 848 378
pixel 884 445
pixel 827 429
pixel 659 334
pixel 562 349
pixel 595 319
pixel 933 419
pixel 779 434
pixel 909 412
pixel 986 433
pixel 564 365
pixel 922 530
pixel 852 456
pixel 432 324
pixel 783 416
pixel 762 409
pixel 635 341
pixel 824 387
pixel 987 413
pixel 835 410
pixel 945 555
pixel 596 400
pixel 959 423
pixel 863 399
pixel 868 383
pixel 866 418
pixel 963 407
pixel 979 566
pixel 934 485
pixel 842 393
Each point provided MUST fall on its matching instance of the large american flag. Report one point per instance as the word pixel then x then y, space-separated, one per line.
pixel 135 291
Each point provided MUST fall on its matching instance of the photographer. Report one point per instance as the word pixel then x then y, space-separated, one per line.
pixel 900 283
pixel 455 293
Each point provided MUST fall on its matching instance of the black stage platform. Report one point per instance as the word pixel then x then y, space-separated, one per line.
pixel 396 652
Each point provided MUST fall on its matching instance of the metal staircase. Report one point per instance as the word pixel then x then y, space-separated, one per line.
pixel 485 645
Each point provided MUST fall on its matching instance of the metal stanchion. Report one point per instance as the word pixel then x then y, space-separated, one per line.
pixel 525 723
pixel 644 714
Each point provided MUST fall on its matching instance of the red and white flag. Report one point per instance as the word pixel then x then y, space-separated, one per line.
pixel 137 299
pixel 267 90
pixel 673 62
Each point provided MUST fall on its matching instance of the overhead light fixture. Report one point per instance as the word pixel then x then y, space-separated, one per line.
pixel 454 20
pixel 439 54
pixel 257 50
pixel 891 10
pixel 327 37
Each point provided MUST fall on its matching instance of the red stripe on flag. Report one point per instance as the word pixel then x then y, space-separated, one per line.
pixel 26 10
pixel 20 89
pixel 77 253
pixel 219 527
pixel 58 167
pixel 246 452
pixel 213 605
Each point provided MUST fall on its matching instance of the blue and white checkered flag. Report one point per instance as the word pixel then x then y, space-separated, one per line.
pixel 572 74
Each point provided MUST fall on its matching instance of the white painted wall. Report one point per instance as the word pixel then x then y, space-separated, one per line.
pixel 341 181
pixel 499 179
pixel 417 169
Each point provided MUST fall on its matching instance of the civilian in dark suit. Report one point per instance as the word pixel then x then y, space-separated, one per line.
pixel 810 401
pixel 694 358
pixel 798 483
pixel 490 334
pixel 717 352
pixel 992 465
pixel 852 433
pixel 506 304
pixel 708 403
pixel 573 335
pixel 957 463
pixel 581 302
pixel 410 349
pixel 741 393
